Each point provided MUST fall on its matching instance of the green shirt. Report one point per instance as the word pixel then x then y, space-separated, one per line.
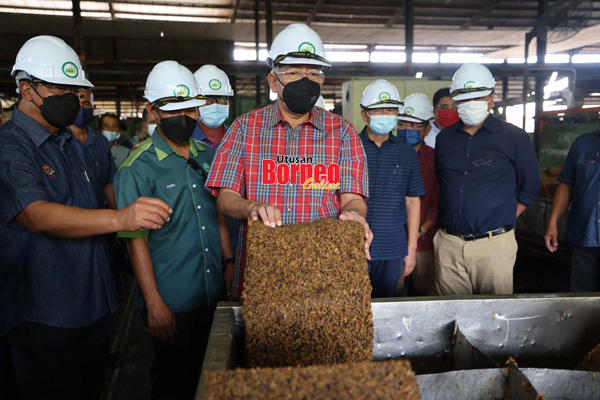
pixel 186 251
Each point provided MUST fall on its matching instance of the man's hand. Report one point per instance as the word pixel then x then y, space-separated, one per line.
pixel 144 213
pixel 551 237
pixel 349 216
pixel 410 261
pixel 161 322
pixel 228 276
pixel 270 214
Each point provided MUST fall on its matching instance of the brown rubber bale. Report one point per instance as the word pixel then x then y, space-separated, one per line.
pixel 591 361
pixel 307 294
pixel 365 380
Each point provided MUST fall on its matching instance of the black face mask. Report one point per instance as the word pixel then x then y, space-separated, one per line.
pixel 179 129
pixel 301 96
pixel 59 111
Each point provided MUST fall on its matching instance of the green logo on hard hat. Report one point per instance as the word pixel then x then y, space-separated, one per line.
pixel 383 96
pixel 181 91
pixel 470 85
pixel 214 84
pixel 409 111
pixel 206 167
pixel 70 69
pixel 306 47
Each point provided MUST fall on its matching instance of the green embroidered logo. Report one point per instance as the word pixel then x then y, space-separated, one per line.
pixel 214 84
pixel 206 167
pixel 383 96
pixel 409 111
pixel 306 47
pixel 70 69
pixel 181 91
pixel 470 85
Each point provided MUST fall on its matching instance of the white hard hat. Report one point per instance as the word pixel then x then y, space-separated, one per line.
pixel 320 102
pixel 297 44
pixel 417 108
pixel 171 86
pixel 49 59
pixel 381 94
pixel 213 81
pixel 471 81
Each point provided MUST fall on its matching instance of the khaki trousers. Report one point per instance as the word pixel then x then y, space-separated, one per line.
pixel 483 266
pixel 423 276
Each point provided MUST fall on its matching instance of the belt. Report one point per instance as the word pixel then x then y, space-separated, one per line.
pixel 469 237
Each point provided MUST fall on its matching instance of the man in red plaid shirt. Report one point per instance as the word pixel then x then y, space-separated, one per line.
pixel 269 157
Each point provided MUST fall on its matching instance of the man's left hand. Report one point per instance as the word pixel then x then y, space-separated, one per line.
pixel 348 216
pixel 410 261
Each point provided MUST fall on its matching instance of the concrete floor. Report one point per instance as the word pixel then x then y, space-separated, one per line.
pixel 129 378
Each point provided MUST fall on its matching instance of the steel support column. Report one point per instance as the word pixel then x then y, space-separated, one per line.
pixel 409 29
pixel 78 30
pixel 540 78
pixel 257 47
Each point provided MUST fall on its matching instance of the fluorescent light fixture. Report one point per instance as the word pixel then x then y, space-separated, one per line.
pixel 586 58
pixel 249 44
pixel 459 57
pixel 594 94
pixel 347 56
pixel 557 58
pixel 332 46
pixel 426 57
pixel 486 60
pixel 388 57
pixel 249 55
pixel 388 47
pixel 516 60
pixel 561 114
pixel 171 18
pixel 419 75
pixel 590 106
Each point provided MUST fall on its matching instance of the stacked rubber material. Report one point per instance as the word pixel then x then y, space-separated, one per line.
pixel 307 294
pixel 364 380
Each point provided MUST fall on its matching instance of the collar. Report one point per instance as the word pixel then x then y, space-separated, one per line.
pixel 316 117
pixel 34 130
pixel 365 136
pixel 91 137
pixel 164 149
pixel 201 136
pixel 490 125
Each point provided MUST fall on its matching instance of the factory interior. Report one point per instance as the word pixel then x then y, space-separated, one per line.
pixel 316 318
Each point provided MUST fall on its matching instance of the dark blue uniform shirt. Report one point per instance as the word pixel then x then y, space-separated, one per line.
pixel 483 177
pixel 98 157
pixel 233 225
pixel 53 281
pixel 582 172
pixel 394 174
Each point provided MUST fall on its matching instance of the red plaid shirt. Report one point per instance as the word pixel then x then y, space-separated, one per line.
pixel 263 134
pixel 429 202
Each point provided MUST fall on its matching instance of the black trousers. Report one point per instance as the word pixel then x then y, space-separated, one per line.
pixel 60 363
pixel 585 269
pixel 385 275
pixel 176 368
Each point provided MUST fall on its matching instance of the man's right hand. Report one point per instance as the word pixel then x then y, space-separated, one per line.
pixel 161 322
pixel 144 213
pixel 551 237
pixel 270 214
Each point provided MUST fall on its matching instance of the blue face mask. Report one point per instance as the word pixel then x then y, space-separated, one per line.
pixel 214 115
pixel 383 124
pixel 110 136
pixel 85 116
pixel 410 136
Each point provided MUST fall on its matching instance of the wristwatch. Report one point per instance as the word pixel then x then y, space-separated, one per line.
pixel 421 234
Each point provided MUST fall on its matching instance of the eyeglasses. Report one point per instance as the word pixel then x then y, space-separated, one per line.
pixel 223 100
pixel 62 89
pixel 292 76
pixel 446 107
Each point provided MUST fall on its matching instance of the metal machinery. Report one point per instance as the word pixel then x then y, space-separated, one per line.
pixel 458 346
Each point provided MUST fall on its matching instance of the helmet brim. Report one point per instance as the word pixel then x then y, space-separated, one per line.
pixel 182 105
pixel 472 95
pixel 411 119
pixel 367 108
pixel 306 61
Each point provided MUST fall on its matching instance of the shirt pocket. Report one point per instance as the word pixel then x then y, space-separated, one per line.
pixel 584 167
pixel 397 180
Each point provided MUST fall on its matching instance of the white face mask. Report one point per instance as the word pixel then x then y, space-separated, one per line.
pixel 151 128
pixel 473 113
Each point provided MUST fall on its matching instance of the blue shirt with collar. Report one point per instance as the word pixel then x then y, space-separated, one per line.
pixel 98 157
pixel 581 171
pixel 53 281
pixel 483 177
pixel 233 225
pixel 394 174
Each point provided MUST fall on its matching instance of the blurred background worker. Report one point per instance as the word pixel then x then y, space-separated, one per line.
pixel 488 175
pixel 109 123
pixel 58 294
pixel 293 126
pixel 444 113
pixel 2 117
pixel 177 268
pixel 394 186
pixel 95 150
pixel 414 126
pixel 214 85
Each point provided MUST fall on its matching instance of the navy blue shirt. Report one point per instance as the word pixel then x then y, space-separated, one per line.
pixel 233 225
pixel 582 172
pixel 483 177
pixel 394 174
pixel 53 281
pixel 100 163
